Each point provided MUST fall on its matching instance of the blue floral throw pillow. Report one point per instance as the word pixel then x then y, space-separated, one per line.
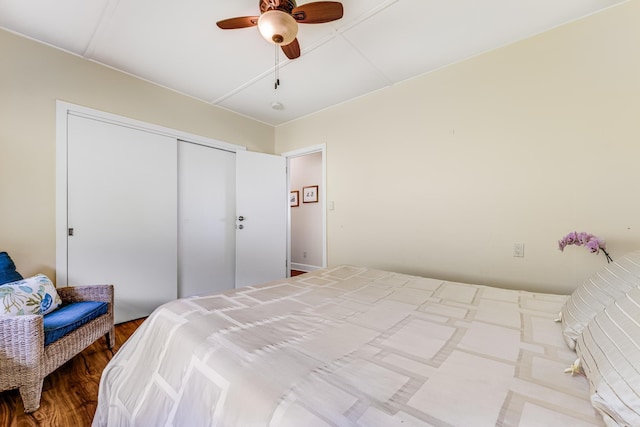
pixel 34 295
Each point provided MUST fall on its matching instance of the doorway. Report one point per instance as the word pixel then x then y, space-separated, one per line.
pixel 307 209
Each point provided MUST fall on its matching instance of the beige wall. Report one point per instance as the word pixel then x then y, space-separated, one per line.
pixel 32 77
pixel 306 219
pixel 438 176
pixel 442 174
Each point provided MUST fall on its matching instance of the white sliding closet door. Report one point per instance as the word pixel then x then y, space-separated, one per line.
pixel 122 208
pixel 206 219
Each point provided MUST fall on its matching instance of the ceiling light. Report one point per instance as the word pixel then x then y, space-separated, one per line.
pixel 278 27
pixel 277 106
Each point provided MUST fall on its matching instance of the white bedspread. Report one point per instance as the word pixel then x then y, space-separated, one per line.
pixel 349 347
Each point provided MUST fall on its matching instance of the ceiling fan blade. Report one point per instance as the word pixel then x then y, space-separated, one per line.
pixel 239 22
pixel 292 50
pixel 318 12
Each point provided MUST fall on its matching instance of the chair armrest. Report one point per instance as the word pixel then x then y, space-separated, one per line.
pixel 21 341
pixel 103 293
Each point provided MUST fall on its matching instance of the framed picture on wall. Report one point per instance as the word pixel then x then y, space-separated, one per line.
pixel 294 198
pixel 310 194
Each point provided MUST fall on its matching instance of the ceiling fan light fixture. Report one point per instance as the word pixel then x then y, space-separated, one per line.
pixel 278 27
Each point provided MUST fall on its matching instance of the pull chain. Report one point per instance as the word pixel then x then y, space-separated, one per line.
pixel 277 67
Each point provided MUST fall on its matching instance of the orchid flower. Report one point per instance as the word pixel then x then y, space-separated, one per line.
pixel 591 242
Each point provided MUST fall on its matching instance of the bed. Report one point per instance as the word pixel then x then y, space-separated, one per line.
pixel 352 346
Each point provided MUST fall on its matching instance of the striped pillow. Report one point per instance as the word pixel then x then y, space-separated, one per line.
pixel 597 292
pixel 609 349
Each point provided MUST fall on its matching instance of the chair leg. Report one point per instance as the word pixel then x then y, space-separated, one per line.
pixel 31 394
pixel 111 338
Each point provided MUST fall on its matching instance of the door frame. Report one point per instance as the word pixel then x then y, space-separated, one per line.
pixel 63 110
pixel 322 198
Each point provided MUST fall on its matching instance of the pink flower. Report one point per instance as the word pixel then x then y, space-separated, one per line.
pixel 571 238
pixel 593 247
pixel 591 242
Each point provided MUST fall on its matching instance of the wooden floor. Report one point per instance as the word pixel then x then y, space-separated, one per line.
pixel 69 394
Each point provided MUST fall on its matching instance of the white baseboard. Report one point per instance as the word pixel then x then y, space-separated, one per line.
pixel 304 267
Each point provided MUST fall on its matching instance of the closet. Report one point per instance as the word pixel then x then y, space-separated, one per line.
pixel 155 214
pixel 122 213
pixel 206 223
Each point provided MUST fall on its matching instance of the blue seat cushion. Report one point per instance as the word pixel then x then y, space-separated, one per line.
pixel 67 318
pixel 8 271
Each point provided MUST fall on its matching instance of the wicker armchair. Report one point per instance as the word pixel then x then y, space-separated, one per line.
pixel 25 361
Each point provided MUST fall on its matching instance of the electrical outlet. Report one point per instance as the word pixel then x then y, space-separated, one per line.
pixel 518 250
pixel 304 254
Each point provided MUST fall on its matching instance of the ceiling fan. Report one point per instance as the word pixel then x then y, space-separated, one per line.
pixel 278 21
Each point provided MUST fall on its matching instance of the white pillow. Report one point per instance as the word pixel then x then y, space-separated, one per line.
pixel 34 295
pixel 609 349
pixel 597 292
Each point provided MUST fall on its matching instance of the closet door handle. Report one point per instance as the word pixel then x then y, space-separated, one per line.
pixel 240 218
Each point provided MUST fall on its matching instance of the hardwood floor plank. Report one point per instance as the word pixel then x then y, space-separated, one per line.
pixel 69 394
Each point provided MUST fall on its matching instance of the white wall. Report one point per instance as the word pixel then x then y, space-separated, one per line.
pixel 306 219
pixel 442 174
pixel 32 77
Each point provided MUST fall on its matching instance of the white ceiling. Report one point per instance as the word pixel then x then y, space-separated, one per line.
pixel 377 43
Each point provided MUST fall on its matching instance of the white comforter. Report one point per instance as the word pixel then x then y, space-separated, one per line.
pixel 348 347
